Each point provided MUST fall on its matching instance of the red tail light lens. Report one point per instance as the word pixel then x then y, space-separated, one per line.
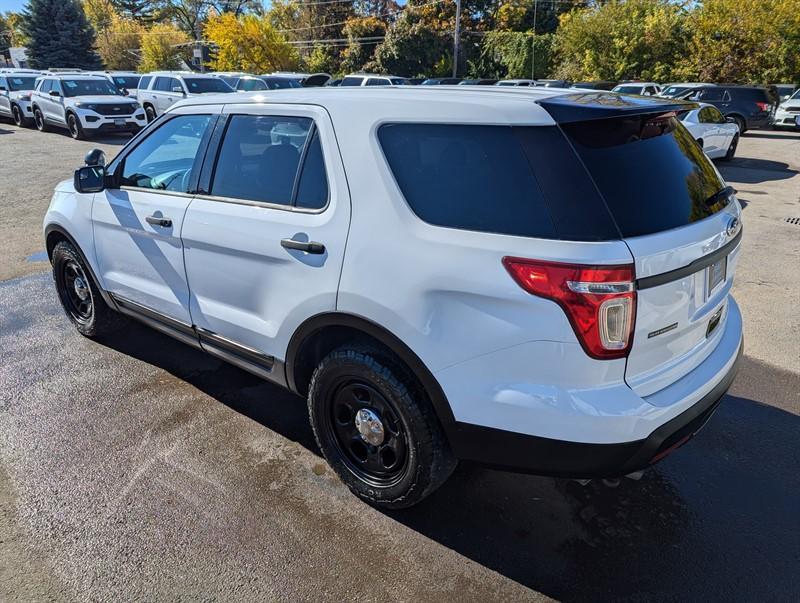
pixel 763 106
pixel 599 301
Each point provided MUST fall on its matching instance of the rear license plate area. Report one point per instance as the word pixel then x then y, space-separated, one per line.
pixel 715 276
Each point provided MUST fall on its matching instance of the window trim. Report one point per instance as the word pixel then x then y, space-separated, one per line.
pixel 202 149
pixel 209 168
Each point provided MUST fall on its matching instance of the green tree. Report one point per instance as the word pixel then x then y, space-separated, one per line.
pixel 621 39
pixel 510 54
pixel 360 52
pixel 139 10
pixel 744 41
pixel 59 35
pixel 163 47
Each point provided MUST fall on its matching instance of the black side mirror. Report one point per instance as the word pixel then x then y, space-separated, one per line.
pixel 55 93
pixel 95 157
pixel 90 179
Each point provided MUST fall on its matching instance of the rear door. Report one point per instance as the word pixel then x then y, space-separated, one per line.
pixel 264 247
pixel 137 223
pixel 682 227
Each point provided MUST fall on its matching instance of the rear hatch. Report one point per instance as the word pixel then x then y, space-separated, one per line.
pixel 677 217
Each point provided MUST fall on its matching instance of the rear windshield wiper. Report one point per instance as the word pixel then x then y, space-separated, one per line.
pixel 722 196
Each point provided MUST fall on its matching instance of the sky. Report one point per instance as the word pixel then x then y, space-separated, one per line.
pixel 15 5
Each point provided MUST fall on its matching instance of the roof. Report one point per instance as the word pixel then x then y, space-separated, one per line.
pixel 75 75
pixel 455 104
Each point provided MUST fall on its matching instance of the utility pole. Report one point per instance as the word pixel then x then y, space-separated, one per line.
pixel 456 37
pixel 533 41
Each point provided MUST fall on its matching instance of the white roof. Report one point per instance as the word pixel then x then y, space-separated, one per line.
pixel 461 104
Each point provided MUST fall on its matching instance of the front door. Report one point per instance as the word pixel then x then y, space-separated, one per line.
pixel 137 225
pixel 5 98
pixel 264 248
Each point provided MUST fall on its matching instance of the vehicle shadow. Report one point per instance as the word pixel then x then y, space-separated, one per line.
pixel 748 170
pixel 774 134
pixel 718 519
pixel 110 139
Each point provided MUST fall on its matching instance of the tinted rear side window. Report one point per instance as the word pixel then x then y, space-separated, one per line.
pixel 144 82
pixel 651 173
pixel 467 177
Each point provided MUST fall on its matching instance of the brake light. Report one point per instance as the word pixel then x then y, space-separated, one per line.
pixel 599 301
pixel 763 106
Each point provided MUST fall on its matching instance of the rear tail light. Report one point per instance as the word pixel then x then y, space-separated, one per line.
pixel 599 301
pixel 763 106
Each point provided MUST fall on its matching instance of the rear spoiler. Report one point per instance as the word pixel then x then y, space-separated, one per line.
pixel 585 106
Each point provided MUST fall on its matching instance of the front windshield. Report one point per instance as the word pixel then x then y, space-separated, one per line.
pixel 126 81
pixel 93 87
pixel 201 85
pixel 21 83
pixel 795 95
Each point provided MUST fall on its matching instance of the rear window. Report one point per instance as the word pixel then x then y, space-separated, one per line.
pixel 649 170
pixel 201 85
pixel 481 178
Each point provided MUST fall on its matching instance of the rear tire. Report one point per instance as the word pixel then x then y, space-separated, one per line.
pixel 79 295
pixel 150 113
pixel 732 148
pixel 354 390
pixel 38 118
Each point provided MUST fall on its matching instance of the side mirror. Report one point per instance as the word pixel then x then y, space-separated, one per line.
pixel 90 179
pixel 55 93
pixel 95 157
pixel 178 89
pixel 3 89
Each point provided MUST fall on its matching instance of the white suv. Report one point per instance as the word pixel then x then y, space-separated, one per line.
pixel 159 90
pixel 84 104
pixel 16 89
pixel 443 274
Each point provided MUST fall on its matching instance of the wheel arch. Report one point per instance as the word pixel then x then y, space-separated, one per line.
pixel 321 334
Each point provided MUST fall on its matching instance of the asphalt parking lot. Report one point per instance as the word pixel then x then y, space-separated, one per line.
pixel 139 469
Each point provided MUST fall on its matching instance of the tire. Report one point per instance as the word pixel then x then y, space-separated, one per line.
pixel 38 118
pixel 410 457
pixel 74 126
pixel 150 113
pixel 731 148
pixel 79 295
pixel 699 141
pixel 19 119
pixel 741 123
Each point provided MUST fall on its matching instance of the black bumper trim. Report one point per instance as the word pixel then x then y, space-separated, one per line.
pixel 558 458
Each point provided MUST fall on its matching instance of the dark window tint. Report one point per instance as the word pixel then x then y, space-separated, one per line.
pixel 259 158
pixel 251 84
pixel 127 82
pixel 280 83
pixel 144 82
pixel 705 116
pixel 200 85
pixel 651 173
pixel 377 81
pixel 21 83
pixel 312 190
pixel 164 160
pixel 711 94
pixel 628 89
pixel 467 177
pixel 163 84
pixel 715 116
pixel 351 81
pixel 45 86
pixel 176 86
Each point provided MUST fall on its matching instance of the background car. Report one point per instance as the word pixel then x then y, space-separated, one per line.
pixel 788 112
pixel 785 90
pixel 367 79
pixel 595 85
pixel 749 106
pixel 553 83
pixel 716 135
pixel 676 89
pixel 478 82
pixel 255 83
pixel 164 88
pixel 516 83
pixel 442 81
pixel 127 82
pixel 16 88
pixel 641 88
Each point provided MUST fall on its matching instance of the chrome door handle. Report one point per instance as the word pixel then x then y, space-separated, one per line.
pixel 159 221
pixel 308 247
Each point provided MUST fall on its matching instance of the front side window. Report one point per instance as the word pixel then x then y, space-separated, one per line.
pixel 710 95
pixel 45 86
pixel 164 160
pixel 163 84
pixel 93 87
pixel 704 117
pixel 144 82
pixel 260 159
pixel 715 115
pixel 202 85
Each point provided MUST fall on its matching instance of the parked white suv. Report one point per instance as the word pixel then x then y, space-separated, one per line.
pixel 127 82
pixel 15 96
pixel 367 79
pixel 159 90
pixel 443 274
pixel 85 105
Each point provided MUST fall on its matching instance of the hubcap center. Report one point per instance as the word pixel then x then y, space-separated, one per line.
pixel 81 290
pixel 369 427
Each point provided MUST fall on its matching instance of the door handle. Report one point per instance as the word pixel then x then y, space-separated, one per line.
pixel 308 247
pixel 159 221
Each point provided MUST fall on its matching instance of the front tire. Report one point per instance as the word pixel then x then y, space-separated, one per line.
pixel 74 126
pixel 79 295
pixel 377 429
pixel 38 118
pixel 18 117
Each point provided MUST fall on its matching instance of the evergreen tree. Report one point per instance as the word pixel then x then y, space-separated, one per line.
pixel 140 10
pixel 59 35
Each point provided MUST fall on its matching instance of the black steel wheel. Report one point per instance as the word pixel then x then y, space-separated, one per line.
pixel 74 126
pixel 38 118
pixel 377 428
pixel 732 148
pixel 79 295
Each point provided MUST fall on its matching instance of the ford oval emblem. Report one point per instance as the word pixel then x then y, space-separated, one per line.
pixel 733 227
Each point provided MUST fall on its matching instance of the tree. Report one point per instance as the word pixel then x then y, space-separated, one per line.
pixel 100 13
pixel 744 41
pixel 139 10
pixel 119 44
pixel 363 35
pixel 59 35
pixel 509 54
pixel 163 48
pixel 621 39
pixel 248 43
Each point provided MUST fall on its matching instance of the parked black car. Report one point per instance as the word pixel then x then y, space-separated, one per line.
pixel 748 106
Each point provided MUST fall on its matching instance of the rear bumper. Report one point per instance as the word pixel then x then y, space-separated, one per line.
pixel 544 456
